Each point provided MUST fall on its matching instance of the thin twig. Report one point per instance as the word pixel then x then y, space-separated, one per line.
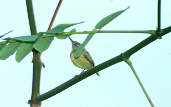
pixel 54 15
pixel 139 81
pixel 45 34
pixel 5 34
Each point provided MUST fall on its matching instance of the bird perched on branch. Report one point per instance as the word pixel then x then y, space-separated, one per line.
pixel 84 61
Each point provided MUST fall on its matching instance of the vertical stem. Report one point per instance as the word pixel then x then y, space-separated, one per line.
pixel 37 64
pixel 159 16
pixel 31 16
pixel 36 58
pixel 36 76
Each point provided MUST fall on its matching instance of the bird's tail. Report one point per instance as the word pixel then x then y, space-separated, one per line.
pixel 98 74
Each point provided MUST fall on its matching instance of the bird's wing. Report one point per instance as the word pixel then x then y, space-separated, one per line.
pixel 88 57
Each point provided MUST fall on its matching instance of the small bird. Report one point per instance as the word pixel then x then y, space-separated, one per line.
pixel 84 61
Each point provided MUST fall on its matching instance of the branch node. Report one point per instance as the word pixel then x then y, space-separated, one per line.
pixel 34 102
pixel 157 34
pixel 124 57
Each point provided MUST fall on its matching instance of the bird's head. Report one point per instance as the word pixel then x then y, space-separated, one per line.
pixel 75 44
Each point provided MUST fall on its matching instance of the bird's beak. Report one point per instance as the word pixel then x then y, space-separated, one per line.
pixel 70 39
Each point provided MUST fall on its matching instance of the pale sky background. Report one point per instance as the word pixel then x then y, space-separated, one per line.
pixel 117 86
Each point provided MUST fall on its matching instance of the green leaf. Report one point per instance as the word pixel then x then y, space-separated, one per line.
pixel 1 46
pixel 99 25
pixel 82 46
pixel 61 27
pixel 65 36
pixel 108 19
pixel 8 50
pixel 24 38
pixel 43 43
pixel 23 50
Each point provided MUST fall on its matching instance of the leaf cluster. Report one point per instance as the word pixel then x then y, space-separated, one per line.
pixel 23 45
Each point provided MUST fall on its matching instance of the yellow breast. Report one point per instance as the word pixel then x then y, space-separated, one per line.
pixel 84 61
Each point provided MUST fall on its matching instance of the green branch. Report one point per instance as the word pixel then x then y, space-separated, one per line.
pixel 45 34
pixel 139 81
pixel 101 66
pixel 31 17
pixel 78 78
pixel 36 57
pixel 147 41
pixel 5 42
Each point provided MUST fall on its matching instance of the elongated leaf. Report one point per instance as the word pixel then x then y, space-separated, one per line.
pixel 1 46
pixel 99 25
pixel 108 19
pixel 43 43
pixel 23 38
pixel 82 46
pixel 8 50
pixel 65 36
pixel 26 38
pixel 61 27
pixel 23 50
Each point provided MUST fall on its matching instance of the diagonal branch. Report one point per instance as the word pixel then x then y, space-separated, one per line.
pixel 78 78
pixel 5 33
pixel 54 15
pixel 102 66
pixel 139 81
